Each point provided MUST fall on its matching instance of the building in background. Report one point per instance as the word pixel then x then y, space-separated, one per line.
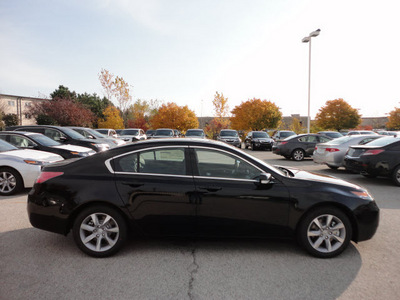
pixel 19 105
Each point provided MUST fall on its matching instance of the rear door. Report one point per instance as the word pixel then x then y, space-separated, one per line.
pixel 158 189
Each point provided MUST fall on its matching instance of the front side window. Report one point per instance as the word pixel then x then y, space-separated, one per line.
pixel 154 161
pixel 54 134
pixel 213 163
pixel 21 142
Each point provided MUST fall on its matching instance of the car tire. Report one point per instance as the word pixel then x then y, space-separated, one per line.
pixel 11 181
pixel 298 154
pixel 333 167
pixel 99 231
pixel 325 232
pixel 252 147
pixel 396 176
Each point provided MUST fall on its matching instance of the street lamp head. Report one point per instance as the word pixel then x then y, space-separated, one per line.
pixel 315 33
pixel 306 39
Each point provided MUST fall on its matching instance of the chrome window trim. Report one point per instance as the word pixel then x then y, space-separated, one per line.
pixel 111 170
pixel 225 178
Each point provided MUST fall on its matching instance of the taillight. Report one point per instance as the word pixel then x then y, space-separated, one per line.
pixel 283 143
pixel 373 152
pixel 332 149
pixel 44 176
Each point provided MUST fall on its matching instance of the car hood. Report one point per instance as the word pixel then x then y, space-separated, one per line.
pixel 305 175
pixel 33 155
pixel 73 148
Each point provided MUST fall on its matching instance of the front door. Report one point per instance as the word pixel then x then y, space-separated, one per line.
pixel 231 202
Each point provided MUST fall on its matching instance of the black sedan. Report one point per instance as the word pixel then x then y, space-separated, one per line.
pixel 258 140
pixel 299 146
pixel 195 187
pixel 380 157
pixel 38 141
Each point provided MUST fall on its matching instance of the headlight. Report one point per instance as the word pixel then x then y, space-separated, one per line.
pixel 101 147
pixel 362 194
pixel 34 162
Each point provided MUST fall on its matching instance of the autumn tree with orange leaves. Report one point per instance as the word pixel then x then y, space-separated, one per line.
pixel 221 120
pixel 337 114
pixel 394 119
pixel 172 116
pixel 255 114
pixel 112 118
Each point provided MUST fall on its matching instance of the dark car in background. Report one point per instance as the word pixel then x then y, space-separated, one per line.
pixel 258 140
pixel 280 135
pixel 90 133
pixel 230 136
pixel 299 146
pixel 63 135
pixel 150 133
pixel 38 141
pixel 195 133
pixel 194 187
pixel 163 133
pixel 380 157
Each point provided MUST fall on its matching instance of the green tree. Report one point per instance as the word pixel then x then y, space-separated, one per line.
pixel 63 93
pixel 94 103
pixel 394 119
pixel 255 114
pixel 337 114
pixel 10 119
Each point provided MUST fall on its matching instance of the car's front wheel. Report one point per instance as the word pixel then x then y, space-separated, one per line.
pixel 396 176
pixel 325 232
pixel 99 231
pixel 10 182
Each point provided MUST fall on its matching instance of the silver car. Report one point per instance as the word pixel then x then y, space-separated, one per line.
pixel 332 153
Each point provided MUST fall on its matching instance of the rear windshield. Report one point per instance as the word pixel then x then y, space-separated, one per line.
pixel 194 133
pixel 286 134
pixel 383 141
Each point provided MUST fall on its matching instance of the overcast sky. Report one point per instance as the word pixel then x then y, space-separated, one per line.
pixel 184 51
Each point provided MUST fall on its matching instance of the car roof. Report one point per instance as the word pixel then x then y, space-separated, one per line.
pixel 20 132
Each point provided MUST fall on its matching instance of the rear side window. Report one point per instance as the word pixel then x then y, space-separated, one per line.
pixel 156 161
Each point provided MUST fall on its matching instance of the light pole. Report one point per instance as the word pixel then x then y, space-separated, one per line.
pixel 307 39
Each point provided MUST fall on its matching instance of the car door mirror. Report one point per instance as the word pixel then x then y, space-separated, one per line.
pixel 264 179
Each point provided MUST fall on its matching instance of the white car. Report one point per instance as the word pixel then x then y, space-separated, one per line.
pixel 132 135
pixel 20 168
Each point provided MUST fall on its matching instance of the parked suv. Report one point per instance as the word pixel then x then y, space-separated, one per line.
pixel 258 140
pixel 63 135
pixel 230 136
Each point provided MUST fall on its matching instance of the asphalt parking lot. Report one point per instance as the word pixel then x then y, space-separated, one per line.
pixel 35 264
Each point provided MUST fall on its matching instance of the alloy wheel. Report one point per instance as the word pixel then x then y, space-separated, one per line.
pixel 8 182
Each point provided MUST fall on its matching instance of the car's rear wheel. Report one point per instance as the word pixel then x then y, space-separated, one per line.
pixel 396 176
pixel 298 154
pixel 10 182
pixel 325 232
pixel 333 167
pixel 99 231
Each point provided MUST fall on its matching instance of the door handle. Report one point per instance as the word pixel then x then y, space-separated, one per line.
pixel 211 188
pixel 132 184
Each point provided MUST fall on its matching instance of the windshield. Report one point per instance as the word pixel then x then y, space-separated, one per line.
pixel 129 132
pixel 260 134
pixel 4 146
pixel 333 134
pixel 194 133
pixel 383 141
pixel 285 134
pixel 94 133
pixel 72 133
pixel 229 133
pixel 43 140
pixel 164 132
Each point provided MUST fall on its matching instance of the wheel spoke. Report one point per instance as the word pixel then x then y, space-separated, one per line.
pixel 328 245
pixel 312 233
pixel 318 223
pixel 338 238
pixel 110 241
pixel 89 238
pixel 329 220
pixel 98 243
pixel 87 227
pixel 95 219
pixel 318 243
pixel 337 226
pixel 113 229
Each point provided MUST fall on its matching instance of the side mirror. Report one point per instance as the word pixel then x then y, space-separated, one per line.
pixel 264 179
pixel 62 139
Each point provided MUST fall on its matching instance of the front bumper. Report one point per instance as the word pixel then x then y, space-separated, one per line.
pixel 367 218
